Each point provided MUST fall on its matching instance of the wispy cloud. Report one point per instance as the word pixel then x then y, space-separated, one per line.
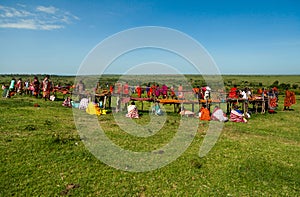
pixel 35 18
pixel 49 10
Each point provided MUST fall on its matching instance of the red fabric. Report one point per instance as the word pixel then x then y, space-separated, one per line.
pixel 205 114
pixel 272 103
pixel 289 99
pixel 125 89
pixel 232 93
pixel 111 89
pixel 236 117
pixel 139 91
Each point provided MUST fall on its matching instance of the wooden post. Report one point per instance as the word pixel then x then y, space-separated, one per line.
pixel 228 103
pixel 104 102
pixel 109 101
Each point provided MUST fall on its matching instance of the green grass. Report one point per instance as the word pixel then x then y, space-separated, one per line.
pixel 42 153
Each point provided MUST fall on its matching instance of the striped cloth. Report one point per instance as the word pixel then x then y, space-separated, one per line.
pixel 236 117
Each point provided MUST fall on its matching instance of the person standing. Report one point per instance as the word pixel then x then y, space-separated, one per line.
pixel 126 89
pixel 20 86
pixel 157 91
pixel 12 85
pixel 289 99
pixel 36 87
pixel 26 86
pixel 148 90
pixel 233 93
pixel 164 90
pixel 139 91
pixel 80 89
pixel 46 87
pixel 180 92
pixel 12 88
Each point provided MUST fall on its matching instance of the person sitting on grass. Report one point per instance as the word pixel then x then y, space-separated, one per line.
pixel 236 115
pixel 204 113
pixel 67 102
pixel 187 113
pixel 219 115
pixel 132 111
pixel 156 109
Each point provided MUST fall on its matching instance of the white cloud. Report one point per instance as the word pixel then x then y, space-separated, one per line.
pixel 9 12
pixel 22 24
pixel 30 24
pixel 35 18
pixel 49 10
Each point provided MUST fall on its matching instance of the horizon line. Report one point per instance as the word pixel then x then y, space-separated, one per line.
pixel 106 74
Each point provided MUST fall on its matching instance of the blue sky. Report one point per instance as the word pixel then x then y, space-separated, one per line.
pixel 243 37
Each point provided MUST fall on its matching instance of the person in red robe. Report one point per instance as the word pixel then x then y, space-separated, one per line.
pixel 289 99
pixel 153 89
pixel 233 92
pixel 126 89
pixel 204 113
pixel 111 89
pixel 139 91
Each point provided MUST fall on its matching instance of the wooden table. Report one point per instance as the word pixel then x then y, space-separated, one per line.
pixel 256 101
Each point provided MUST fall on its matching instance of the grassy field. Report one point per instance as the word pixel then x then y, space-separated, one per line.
pixel 42 154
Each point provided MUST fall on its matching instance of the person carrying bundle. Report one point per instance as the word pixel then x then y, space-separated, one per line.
pixel 219 115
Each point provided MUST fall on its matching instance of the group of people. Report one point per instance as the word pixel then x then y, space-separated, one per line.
pixel 205 115
pixel 132 111
pixel 271 95
pixel 158 91
pixel 34 87
pixel 236 115
pixel 154 90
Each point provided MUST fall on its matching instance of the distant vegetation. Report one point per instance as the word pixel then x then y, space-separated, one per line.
pixel 252 81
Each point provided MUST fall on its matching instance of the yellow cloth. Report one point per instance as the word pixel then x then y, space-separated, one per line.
pixel 93 109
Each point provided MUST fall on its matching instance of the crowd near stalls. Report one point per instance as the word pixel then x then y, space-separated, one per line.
pixel 98 99
pixel 238 100
pixel 39 88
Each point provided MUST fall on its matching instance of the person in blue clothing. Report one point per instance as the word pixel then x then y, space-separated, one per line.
pixel 12 85
pixel 156 109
